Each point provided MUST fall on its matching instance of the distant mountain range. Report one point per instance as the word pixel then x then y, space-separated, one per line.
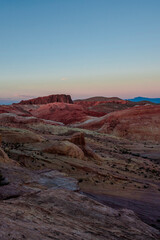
pixel 8 101
pixel 138 99
pixel 5 101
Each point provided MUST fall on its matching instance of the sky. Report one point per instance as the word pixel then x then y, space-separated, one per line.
pixel 79 47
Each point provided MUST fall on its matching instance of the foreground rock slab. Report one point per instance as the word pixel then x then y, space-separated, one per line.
pixel 60 214
pixel 48 206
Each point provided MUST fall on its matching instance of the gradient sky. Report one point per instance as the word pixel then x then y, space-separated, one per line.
pixel 79 47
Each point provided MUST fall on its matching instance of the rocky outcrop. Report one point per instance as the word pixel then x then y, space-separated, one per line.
pixel 65 148
pixel 79 140
pixel 48 99
pixel 74 146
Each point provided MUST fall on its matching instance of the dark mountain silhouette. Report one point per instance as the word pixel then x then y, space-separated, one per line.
pixel 138 99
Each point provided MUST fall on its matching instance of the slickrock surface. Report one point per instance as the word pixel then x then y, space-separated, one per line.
pixel 42 207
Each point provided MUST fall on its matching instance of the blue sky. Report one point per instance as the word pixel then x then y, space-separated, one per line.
pixel 79 47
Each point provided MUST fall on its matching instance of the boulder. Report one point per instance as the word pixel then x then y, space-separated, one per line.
pixel 79 140
pixel 66 148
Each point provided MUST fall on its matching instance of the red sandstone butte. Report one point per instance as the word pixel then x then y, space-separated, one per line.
pixel 48 99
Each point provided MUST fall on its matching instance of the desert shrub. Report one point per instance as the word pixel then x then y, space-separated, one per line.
pixel 124 151
pixel 80 180
pixel 1 179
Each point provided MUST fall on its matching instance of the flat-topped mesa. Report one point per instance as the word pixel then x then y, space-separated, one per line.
pixel 48 99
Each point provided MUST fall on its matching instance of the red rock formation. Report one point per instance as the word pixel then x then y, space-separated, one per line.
pixel 65 148
pixel 60 112
pixel 79 140
pixel 94 103
pixel 138 123
pixel 74 146
pixel 48 99
pixel 98 98
pixel 99 106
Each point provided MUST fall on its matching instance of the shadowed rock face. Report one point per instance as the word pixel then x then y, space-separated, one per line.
pixel 49 99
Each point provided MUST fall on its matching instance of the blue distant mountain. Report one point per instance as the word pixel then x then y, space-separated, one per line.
pixel 138 99
pixel 7 101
